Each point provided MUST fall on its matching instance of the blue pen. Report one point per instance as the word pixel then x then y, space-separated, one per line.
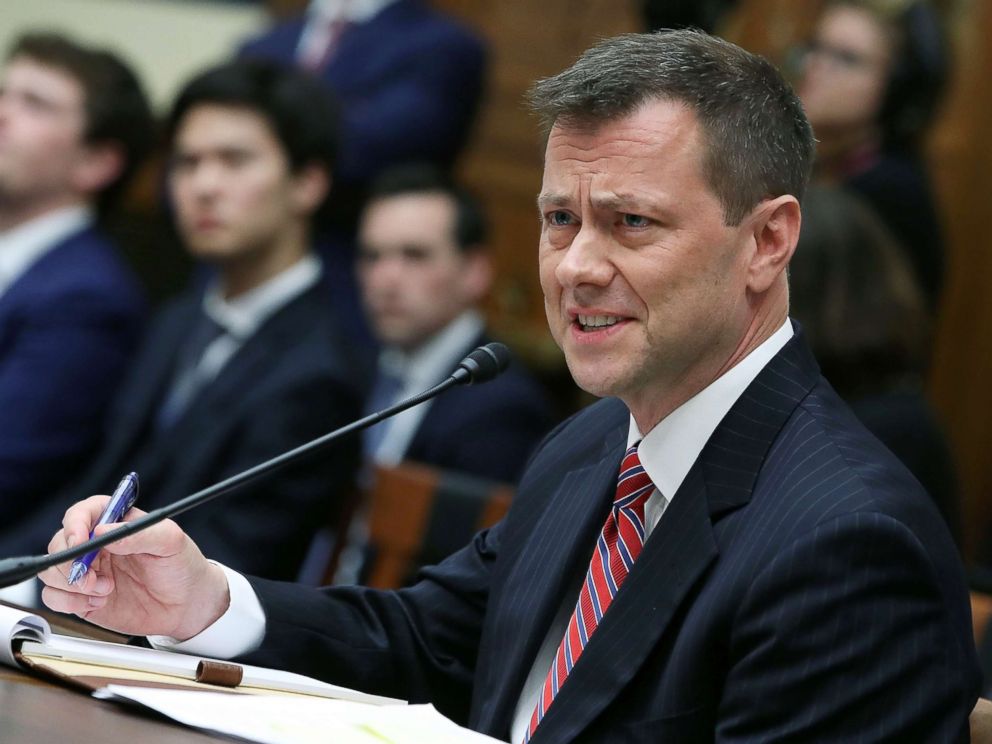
pixel 122 500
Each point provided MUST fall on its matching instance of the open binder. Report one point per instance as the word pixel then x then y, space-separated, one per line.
pixel 27 641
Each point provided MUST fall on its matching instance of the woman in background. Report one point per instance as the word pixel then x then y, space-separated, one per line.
pixel 872 77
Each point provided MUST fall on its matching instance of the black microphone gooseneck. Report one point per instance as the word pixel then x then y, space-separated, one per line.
pixel 482 365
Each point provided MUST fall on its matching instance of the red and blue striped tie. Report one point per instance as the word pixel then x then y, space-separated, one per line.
pixel 617 548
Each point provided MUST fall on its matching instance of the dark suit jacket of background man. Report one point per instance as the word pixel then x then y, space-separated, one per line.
pixel 293 380
pixel 487 430
pixel 68 326
pixel 408 80
pixel 799 587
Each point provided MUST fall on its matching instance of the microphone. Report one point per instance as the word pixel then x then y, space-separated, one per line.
pixel 482 365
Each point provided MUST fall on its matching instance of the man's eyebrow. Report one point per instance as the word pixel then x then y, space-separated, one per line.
pixel 626 202
pixel 552 200
pixel 617 202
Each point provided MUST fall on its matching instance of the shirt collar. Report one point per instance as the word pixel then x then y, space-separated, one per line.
pixel 435 359
pixel 242 315
pixel 23 245
pixel 669 450
pixel 353 11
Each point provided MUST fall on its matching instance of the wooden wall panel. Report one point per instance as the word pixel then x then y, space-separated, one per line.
pixel 961 159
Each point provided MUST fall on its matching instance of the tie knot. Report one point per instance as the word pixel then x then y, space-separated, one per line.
pixel 634 484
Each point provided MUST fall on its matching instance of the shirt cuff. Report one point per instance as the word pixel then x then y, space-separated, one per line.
pixel 238 631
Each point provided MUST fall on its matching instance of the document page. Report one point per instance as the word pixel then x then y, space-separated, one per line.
pixel 19 625
pixel 299 720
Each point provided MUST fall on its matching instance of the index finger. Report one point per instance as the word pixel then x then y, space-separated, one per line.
pixel 80 518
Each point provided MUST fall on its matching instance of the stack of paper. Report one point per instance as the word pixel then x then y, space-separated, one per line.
pixel 299 720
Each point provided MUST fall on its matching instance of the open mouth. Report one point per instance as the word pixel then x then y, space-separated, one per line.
pixel 592 323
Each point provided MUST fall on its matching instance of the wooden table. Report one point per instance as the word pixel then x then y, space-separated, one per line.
pixel 37 711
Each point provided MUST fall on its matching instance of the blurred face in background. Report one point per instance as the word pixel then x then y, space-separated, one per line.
pixel 42 124
pixel 235 196
pixel 846 71
pixel 414 277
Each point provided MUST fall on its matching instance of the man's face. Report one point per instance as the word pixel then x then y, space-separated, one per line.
pixel 42 123
pixel 414 278
pixel 846 70
pixel 231 184
pixel 644 285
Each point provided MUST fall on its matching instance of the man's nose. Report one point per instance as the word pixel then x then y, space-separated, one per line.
pixel 586 259
pixel 206 179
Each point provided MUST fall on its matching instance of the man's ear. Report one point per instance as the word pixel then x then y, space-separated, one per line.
pixel 98 166
pixel 776 231
pixel 310 186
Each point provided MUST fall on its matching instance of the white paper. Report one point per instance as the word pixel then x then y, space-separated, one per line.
pixel 298 720
pixel 17 624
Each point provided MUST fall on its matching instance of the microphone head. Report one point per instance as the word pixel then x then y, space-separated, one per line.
pixel 483 364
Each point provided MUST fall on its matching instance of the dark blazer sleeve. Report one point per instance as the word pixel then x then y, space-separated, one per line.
pixel 419 644
pixel 58 372
pixel 847 635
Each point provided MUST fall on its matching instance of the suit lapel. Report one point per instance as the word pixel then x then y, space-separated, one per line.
pixel 551 560
pixel 682 546
pixel 217 401
pixel 677 553
pixel 151 375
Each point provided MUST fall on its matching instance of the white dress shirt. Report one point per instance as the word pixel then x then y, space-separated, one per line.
pixel 241 316
pixel 22 246
pixel 667 452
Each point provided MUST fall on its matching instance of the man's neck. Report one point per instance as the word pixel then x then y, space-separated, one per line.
pixel 650 408
pixel 15 212
pixel 242 275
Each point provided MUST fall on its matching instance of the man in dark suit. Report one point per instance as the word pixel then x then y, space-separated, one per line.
pixel 718 552
pixel 409 79
pixel 74 125
pixel 253 363
pixel 423 268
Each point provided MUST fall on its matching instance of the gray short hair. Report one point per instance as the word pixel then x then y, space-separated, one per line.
pixel 760 144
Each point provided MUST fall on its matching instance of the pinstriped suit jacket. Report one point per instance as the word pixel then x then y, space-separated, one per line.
pixel 800 587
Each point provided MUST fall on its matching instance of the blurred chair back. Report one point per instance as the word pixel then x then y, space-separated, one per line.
pixel 420 514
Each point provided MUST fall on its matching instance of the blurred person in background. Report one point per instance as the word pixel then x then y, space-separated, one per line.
pixel 74 126
pixel 252 362
pixel 424 268
pixel 409 80
pixel 864 313
pixel 872 78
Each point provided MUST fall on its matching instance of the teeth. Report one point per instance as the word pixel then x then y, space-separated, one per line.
pixel 597 321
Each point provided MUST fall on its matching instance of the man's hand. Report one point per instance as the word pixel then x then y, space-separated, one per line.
pixel 155 582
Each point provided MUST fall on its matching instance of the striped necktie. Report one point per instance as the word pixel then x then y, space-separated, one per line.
pixel 618 546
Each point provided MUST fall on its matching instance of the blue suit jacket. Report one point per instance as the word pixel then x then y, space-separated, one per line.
pixel 799 587
pixel 68 326
pixel 292 381
pixel 408 80
pixel 488 430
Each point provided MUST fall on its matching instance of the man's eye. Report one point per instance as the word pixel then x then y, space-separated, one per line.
pixel 635 220
pixel 559 218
